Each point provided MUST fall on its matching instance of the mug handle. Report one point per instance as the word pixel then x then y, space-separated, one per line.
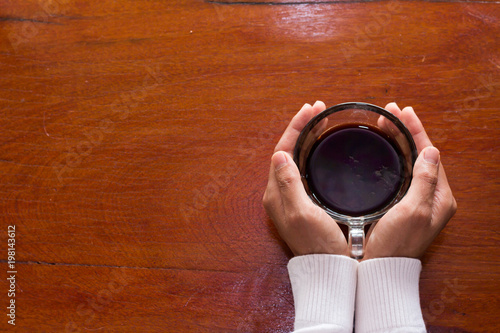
pixel 357 241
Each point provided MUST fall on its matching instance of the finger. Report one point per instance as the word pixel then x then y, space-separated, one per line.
pixel 447 204
pixel 319 128
pixel 289 137
pixel 382 122
pixel 272 199
pixel 414 125
pixel 293 194
pixel 299 121
pixel 394 109
pixel 424 181
pixel 318 107
pixel 288 140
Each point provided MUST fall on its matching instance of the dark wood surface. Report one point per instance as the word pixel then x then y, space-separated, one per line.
pixel 137 137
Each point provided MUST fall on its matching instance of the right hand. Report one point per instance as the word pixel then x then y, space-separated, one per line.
pixel 409 227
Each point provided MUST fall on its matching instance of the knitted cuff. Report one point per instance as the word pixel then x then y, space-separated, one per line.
pixel 324 288
pixel 387 298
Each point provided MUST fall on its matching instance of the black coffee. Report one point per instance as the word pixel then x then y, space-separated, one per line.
pixel 354 170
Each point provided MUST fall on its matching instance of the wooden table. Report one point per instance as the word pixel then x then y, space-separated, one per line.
pixel 137 137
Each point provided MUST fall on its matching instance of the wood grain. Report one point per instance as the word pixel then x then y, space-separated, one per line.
pixel 137 137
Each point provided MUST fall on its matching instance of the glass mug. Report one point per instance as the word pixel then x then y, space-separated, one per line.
pixel 356 162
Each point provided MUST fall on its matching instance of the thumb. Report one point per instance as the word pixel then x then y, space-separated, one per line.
pixel 287 175
pixel 425 177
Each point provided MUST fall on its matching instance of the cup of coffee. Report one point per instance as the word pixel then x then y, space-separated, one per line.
pixel 356 162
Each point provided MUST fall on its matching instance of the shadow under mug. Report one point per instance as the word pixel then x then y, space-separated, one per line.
pixel 364 115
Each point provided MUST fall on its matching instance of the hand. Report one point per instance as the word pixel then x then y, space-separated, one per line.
pixel 410 226
pixel 305 227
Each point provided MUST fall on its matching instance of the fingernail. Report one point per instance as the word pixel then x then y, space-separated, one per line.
pixel 431 155
pixel 279 160
pixel 408 108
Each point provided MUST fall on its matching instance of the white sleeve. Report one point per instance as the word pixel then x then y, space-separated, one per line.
pixel 387 298
pixel 324 289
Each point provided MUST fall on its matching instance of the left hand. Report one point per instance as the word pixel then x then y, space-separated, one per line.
pixel 305 227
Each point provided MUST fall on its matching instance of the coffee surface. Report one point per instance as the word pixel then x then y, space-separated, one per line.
pixel 354 170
